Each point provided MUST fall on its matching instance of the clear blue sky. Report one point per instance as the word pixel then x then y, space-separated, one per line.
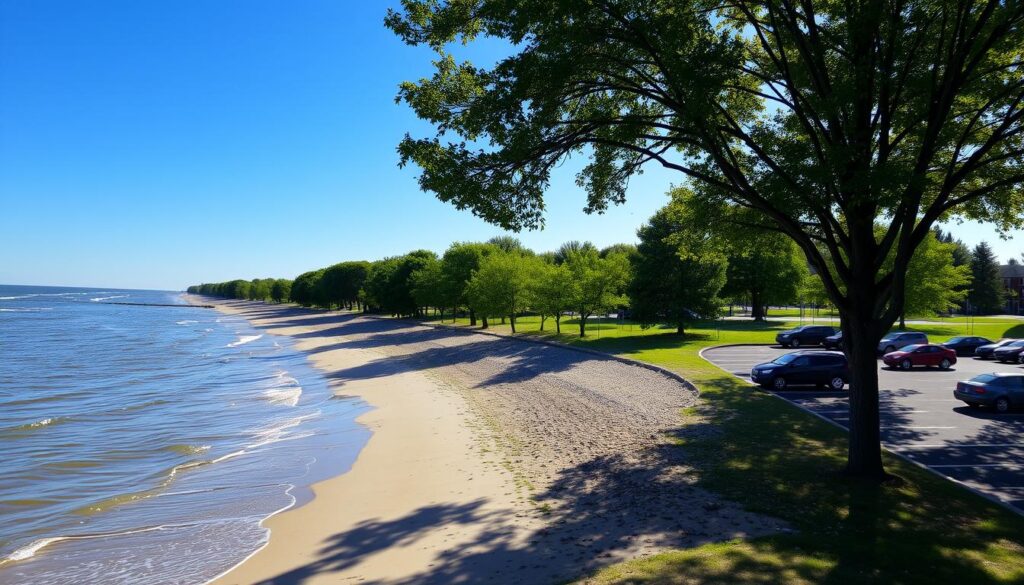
pixel 159 144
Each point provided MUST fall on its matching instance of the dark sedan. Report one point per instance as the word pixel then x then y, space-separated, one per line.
pixel 818 368
pixel 1001 391
pixel 1010 352
pixel 920 355
pixel 985 352
pixel 833 341
pixel 965 345
pixel 806 335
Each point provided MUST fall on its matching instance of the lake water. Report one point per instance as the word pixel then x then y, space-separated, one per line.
pixel 146 444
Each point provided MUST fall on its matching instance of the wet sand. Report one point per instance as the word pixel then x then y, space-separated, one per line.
pixel 492 460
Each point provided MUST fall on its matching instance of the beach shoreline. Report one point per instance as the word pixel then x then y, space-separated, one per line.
pixel 445 459
pixel 490 460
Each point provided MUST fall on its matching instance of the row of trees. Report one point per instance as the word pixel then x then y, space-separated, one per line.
pixel 278 290
pixel 681 271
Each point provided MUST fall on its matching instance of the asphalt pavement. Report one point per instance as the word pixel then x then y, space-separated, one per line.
pixel 921 420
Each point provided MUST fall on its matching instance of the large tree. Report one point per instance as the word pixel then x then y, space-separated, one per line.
pixel 598 283
pixel 502 284
pixel 459 262
pixel 935 284
pixel 669 283
pixel 827 118
pixel 766 268
pixel 987 291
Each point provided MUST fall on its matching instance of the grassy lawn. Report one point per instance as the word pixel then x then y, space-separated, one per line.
pixel 778 460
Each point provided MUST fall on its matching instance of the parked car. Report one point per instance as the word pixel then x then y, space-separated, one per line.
pixel 927 354
pixel 820 368
pixel 833 341
pixel 806 335
pixel 1009 352
pixel 894 341
pixel 1001 391
pixel 985 352
pixel 965 345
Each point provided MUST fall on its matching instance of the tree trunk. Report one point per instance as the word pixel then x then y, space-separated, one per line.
pixel 864 457
pixel 472 318
pixel 583 324
pixel 542 319
pixel 512 321
pixel 756 308
pixel 680 328
pixel 483 323
pixel 903 321
pixel 558 323
pixel 503 319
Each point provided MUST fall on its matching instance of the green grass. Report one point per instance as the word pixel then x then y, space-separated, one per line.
pixel 775 459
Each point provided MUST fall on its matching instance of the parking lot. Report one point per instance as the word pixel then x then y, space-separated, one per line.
pixel 921 420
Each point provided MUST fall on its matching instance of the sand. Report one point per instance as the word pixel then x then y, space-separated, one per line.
pixel 492 461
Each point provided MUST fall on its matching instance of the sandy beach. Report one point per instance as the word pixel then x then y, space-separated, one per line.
pixel 492 460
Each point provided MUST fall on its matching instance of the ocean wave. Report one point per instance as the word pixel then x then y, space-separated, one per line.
pixel 279 432
pixel 25 310
pixel 286 390
pixel 186 322
pixel 98 299
pixel 242 340
pixel 28 551
pixel 46 422
pixel 187 449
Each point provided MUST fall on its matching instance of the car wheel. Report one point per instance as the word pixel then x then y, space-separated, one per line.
pixel 779 383
pixel 890 349
pixel 944 364
pixel 906 364
pixel 1002 404
pixel 795 343
pixel 1020 358
pixel 837 383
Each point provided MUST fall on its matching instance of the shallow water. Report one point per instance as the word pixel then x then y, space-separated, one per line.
pixel 146 444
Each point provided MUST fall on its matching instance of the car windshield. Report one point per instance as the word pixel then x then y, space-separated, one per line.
pixel 984 378
pixel 911 347
pixel 785 359
pixel 956 339
pixel 1017 343
pixel 1005 342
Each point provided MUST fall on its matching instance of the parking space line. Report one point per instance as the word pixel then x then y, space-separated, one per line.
pixel 927 390
pixel 955 446
pixel 1007 465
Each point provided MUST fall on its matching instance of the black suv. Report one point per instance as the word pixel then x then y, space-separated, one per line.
pixel 965 345
pixel 819 368
pixel 806 335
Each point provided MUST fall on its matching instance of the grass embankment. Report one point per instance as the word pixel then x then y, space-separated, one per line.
pixel 775 459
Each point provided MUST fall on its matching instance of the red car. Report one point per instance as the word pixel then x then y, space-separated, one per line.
pixel 924 354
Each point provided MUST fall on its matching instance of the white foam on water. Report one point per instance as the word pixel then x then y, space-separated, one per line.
pixel 186 322
pixel 279 432
pixel 32 310
pixel 30 550
pixel 286 390
pixel 243 340
pixel 98 299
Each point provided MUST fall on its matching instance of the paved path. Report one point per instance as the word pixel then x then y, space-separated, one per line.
pixel 921 420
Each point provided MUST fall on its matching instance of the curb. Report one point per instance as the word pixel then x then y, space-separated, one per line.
pixel 601 354
pixel 889 448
